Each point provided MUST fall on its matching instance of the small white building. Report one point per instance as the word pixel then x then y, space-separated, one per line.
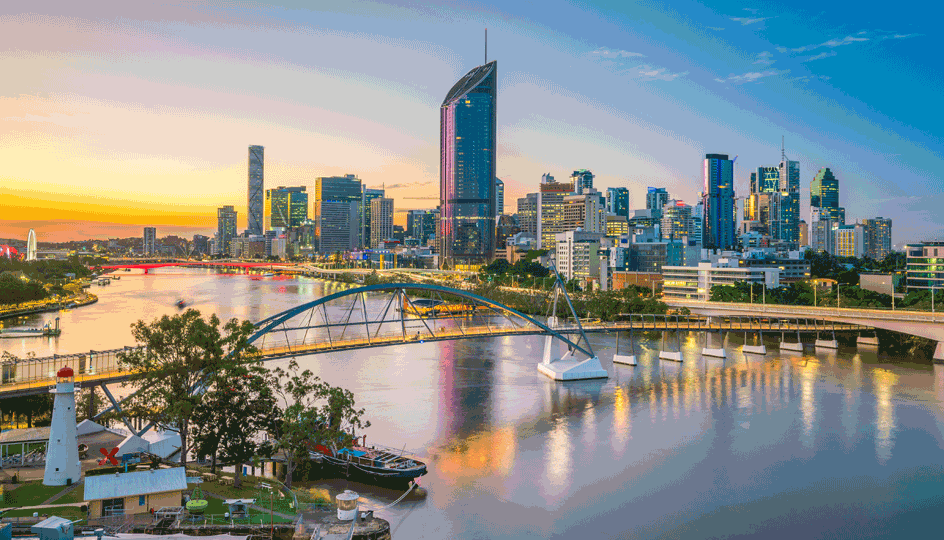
pixel 135 492
pixel 695 282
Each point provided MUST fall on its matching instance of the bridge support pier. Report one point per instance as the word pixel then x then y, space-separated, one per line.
pixel 939 353
pixel 568 367
pixel 625 359
pixel 867 342
pixel 708 350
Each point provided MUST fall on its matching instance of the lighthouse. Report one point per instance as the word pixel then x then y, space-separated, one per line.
pixel 62 452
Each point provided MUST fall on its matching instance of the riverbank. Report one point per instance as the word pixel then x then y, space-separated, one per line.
pixel 44 306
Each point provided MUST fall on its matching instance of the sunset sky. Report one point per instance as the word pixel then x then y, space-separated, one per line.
pixel 115 115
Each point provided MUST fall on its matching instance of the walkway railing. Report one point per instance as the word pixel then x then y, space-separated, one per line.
pixel 812 312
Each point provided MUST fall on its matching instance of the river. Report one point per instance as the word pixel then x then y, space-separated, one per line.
pixel 837 444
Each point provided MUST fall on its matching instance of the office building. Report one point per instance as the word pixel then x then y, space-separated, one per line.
pixel 822 237
pixel 824 197
pixel 718 201
pixel 576 255
pixel 617 201
pixel 285 207
pixel 616 226
pixel 791 270
pixel 499 197
pixel 367 195
pixel 562 211
pixel 256 187
pixel 225 228
pixel 506 227
pixel 878 238
pixel 381 220
pixel 925 269
pixel 850 240
pixel 528 214
pixel 550 210
pixel 655 200
pixel 582 180
pixel 804 234
pixel 150 238
pixel 789 177
pixel 467 170
pixel 695 282
pixel 676 221
pixel 200 245
pixel 337 213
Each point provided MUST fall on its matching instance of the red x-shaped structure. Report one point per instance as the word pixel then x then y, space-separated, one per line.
pixel 109 456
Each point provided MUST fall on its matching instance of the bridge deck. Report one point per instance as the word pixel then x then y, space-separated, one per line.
pixel 102 367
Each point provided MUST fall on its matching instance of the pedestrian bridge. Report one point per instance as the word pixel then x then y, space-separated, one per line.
pixel 915 323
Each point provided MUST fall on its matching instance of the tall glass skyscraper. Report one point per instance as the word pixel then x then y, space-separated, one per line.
pixel 655 200
pixel 617 201
pixel 718 201
pixel 256 215
pixel 499 197
pixel 824 195
pixel 225 229
pixel 467 170
pixel 286 207
pixel 790 200
pixel 583 181
pixel 368 195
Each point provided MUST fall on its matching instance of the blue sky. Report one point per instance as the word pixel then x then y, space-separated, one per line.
pixel 144 102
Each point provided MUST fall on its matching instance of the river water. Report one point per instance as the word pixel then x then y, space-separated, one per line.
pixel 845 444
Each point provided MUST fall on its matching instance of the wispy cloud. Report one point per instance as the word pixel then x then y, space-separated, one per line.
pixel 718 28
pixel 820 56
pixel 646 72
pixel 752 76
pixel 752 10
pixel 903 36
pixel 749 20
pixel 604 52
pixel 403 185
pixel 765 58
pixel 832 43
pixel 808 78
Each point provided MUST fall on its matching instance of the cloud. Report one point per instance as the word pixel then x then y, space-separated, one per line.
pixel 718 28
pixel 808 78
pixel 903 36
pixel 749 20
pixel 765 58
pixel 604 52
pixel 833 43
pixel 752 10
pixel 820 56
pixel 403 185
pixel 650 73
pixel 752 76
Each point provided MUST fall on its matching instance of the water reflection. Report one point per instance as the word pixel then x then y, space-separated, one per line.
pixel 884 382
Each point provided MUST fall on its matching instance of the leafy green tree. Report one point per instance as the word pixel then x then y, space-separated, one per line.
pixel 312 413
pixel 179 354
pixel 239 404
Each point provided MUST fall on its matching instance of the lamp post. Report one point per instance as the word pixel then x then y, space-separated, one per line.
pixel 837 294
pixel 892 286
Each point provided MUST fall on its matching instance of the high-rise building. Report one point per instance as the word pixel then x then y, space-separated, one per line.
pixel 200 245
pixel 789 200
pixel 337 213
pixel 499 197
pixel 582 180
pixel 225 229
pixel 850 240
pixel 256 187
pixel 467 169
pixel 878 238
pixel 617 201
pixel 285 207
pixel 550 210
pixel 150 238
pixel 422 224
pixel 925 270
pixel 369 194
pixel 381 220
pixel 576 255
pixel 676 221
pixel 804 233
pixel 822 237
pixel 655 200
pixel 528 214
pixel 719 227
pixel 824 195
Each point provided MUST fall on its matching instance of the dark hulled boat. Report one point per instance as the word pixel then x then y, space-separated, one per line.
pixel 374 463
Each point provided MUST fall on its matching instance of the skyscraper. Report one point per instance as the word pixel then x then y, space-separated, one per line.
pixel 655 200
pixel 381 220
pixel 336 213
pixel 582 180
pixel 150 237
pixel 617 201
pixel 368 195
pixel 467 169
pixel 824 195
pixel 285 207
pixel 499 197
pixel 528 214
pixel 676 221
pixel 878 238
pixel 718 201
pixel 789 199
pixel 225 229
pixel 256 186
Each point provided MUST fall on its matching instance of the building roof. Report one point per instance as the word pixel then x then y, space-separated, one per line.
pixel 36 434
pixel 469 81
pixel 113 486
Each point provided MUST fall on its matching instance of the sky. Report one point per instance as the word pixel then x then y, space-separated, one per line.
pixel 115 115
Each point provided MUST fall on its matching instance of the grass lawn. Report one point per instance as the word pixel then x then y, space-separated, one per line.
pixel 29 494
pixel 217 508
pixel 69 512
pixel 74 496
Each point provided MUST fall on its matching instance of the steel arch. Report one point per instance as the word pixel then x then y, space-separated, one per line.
pixel 269 324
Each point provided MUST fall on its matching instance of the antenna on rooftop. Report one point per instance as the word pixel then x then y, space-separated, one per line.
pixel 783 151
pixel 486 45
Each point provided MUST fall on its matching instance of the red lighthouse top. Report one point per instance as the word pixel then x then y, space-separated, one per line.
pixel 66 371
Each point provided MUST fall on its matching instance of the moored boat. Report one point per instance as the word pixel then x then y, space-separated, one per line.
pixel 45 330
pixel 374 463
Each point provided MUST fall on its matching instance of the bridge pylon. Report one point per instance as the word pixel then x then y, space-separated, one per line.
pixel 568 367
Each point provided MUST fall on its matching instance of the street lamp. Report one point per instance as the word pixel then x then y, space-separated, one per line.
pixel 837 294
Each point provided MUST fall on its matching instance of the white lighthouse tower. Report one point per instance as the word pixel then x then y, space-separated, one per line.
pixel 62 452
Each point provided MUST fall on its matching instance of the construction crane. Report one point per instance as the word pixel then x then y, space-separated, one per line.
pixel 422 198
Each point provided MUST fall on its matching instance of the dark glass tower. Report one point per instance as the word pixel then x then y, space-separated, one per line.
pixel 718 201
pixel 467 170
pixel 824 195
pixel 256 215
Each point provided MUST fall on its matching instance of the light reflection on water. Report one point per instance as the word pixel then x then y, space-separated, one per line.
pixel 729 443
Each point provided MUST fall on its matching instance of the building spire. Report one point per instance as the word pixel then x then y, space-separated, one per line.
pixel 783 151
pixel 486 45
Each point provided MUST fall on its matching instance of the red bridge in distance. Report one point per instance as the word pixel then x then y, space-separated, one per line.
pixel 149 266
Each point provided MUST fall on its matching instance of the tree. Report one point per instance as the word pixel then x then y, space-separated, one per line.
pixel 179 354
pixel 312 413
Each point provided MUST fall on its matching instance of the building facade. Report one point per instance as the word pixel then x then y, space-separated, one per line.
pixel 582 179
pixel 925 270
pixel 337 210
pixel 718 201
pixel 850 240
pixel 225 228
pixel 285 207
pixel 676 220
pixel 878 238
pixel 256 187
pixel 576 255
pixel 148 247
pixel 499 197
pixel 695 282
pixel 367 195
pixel 617 201
pixel 655 200
pixel 528 214
pixel 381 220
pixel 467 170
pixel 824 197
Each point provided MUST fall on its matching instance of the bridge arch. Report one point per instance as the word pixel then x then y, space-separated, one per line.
pixel 408 311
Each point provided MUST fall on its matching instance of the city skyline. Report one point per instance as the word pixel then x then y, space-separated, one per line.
pixel 184 78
